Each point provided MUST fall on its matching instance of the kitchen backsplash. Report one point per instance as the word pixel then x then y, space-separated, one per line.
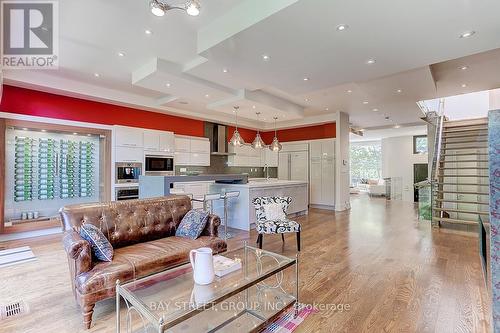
pixel 218 165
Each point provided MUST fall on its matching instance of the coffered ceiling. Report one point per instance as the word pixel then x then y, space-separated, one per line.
pixel 283 58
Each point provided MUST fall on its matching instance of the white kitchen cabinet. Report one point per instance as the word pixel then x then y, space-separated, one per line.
pixel 182 158
pixel 129 154
pixel 151 141
pixel 182 144
pixel 192 151
pixel 322 172
pixel 246 156
pixel 269 158
pixel 128 137
pixel 167 142
pixel 200 146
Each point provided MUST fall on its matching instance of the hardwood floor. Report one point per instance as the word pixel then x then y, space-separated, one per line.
pixel 394 274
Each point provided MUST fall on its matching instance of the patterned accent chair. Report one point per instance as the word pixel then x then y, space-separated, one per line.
pixel 281 226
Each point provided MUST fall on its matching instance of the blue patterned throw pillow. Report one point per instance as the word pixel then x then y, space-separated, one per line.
pixel 101 247
pixel 192 224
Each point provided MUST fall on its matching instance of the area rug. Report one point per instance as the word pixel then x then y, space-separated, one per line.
pixel 288 322
pixel 18 255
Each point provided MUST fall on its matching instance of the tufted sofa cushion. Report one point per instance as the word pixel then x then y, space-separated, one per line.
pixel 129 222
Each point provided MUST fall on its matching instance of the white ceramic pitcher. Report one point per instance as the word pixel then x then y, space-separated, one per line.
pixel 203 265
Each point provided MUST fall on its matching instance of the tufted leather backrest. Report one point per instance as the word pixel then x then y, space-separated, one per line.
pixel 131 221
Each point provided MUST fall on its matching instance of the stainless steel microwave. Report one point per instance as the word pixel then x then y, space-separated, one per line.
pixel 159 165
pixel 127 172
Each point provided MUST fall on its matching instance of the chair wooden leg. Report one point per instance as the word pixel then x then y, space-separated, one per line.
pixel 87 312
pixel 283 237
pixel 298 241
pixel 259 240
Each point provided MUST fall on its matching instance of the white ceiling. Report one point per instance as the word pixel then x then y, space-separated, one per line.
pixel 414 44
pixel 378 134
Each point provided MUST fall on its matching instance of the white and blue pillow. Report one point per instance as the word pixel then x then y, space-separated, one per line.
pixel 192 224
pixel 101 247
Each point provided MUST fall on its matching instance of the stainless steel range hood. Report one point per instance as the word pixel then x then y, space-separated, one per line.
pixel 218 139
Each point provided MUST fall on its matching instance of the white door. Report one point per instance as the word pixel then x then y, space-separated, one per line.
pixel 328 172
pixel 283 166
pixel 299 166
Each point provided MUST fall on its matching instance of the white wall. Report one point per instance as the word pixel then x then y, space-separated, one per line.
pixel 342 178
pixel 398 160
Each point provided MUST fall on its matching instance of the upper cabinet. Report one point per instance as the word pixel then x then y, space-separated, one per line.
pixel 129 137
pixel 192 151
pixel 159 142
pixel 269 158
pixel 245 156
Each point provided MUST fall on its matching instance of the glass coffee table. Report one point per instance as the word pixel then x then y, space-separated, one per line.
pixel 242 301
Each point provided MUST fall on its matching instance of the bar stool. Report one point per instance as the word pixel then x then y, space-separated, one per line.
pixel 208 201
pixel 226 196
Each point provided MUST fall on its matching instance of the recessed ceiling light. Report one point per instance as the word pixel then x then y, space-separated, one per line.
pixel 97 74
pixel 397 126
pixel 74 133
pixel 265 57
pixel 467 34
pixel 365 102
pixel 399 91
pixel 224 70
pixel 349 91
pixel 307 100
pixel 464 68
pixel 253 107
pixel 342 27
pixel 306 79
pixel 370 61
pixel 375 110
pixel 168 84
pixel 89 134
pixel 148 32
pixel 464 85
pixel 361 129
pixel 326 109
pixel 44 130
pixel 25 129
pixel 121 54
pixel 207 95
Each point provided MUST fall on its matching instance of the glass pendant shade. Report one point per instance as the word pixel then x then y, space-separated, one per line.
pixel 258 143
pixel 236 139
pixel 275 145
pixel 193 8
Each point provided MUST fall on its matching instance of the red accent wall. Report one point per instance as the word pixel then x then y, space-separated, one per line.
pixel 314 132
pixel 37 103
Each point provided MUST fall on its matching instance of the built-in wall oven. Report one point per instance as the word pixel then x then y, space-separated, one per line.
pixel 159 165
pixel 126 193
pixel 127 172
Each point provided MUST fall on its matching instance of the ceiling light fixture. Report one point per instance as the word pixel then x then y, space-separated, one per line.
pixel 464 68
pixel 97 74
pixel 207 95
pixel 342 27
pixel 254 107
pixel 365 102
pixel 265 57
pixel 275 145
pixel 307 100
pixel 397 126
pixel 399 91
pixel 159 7
pixel 370 61
pixel 121 54
pixel 326 109
pixel 236 139
pixel 468 34
pixel 349 91
pixel 258 143
pixel 148 32
pixel 375 110
pixel 168 85
pixel 306 79
pixel 464 85
pixel 224 70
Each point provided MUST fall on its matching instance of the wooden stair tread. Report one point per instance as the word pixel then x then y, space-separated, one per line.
pixel 464 168
pixel 464 154
pixel 462 176
pixel 464 161
pixel 465 136
pixel 464 211
pixel 465 130
pixel 470 184
pixel 446 142
pixel 456 221
pixel 462 148
pixel 464 192
pixel 464 202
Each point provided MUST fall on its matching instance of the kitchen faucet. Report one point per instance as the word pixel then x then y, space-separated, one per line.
pixel 266 170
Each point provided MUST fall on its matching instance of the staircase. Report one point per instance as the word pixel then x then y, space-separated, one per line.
pixel 460 188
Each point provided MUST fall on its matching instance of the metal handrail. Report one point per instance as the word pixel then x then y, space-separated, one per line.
pixel 437 147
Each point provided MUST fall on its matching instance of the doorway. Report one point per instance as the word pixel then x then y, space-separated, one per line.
pixel 420 173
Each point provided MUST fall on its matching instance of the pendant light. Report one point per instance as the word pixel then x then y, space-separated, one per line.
pixel 258 143
pixel 275 145
pixel 236 139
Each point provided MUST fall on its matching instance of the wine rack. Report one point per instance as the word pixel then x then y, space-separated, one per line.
pixel 68 168
pixel 23 169
pixel 86 169
pixel 47 169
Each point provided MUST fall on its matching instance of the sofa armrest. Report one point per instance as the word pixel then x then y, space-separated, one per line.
pixel 212 226
pixel 78 250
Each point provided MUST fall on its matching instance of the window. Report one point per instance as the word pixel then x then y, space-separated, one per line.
pixel 366 161
pixel 420 144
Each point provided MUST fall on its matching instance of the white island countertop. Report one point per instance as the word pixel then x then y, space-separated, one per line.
pixel 263 182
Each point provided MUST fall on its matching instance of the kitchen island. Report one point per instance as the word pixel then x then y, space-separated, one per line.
pixel 241 212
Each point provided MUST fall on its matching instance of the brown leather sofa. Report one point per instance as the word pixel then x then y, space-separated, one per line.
pixel 142 233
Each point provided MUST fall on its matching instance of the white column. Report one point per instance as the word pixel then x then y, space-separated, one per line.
pixel 342 182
